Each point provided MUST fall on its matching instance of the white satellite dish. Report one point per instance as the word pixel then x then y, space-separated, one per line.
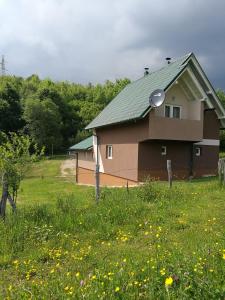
pixel 157 98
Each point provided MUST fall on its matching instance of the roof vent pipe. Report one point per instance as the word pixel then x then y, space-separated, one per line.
pixel 168 59
pixel 146 72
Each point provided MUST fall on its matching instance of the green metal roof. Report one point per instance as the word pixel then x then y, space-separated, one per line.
pixel 133 101
pixel 83 145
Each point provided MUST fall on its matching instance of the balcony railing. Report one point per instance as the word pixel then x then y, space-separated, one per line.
pixel 175 129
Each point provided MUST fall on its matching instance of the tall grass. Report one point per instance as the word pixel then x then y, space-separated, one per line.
pixel 123 248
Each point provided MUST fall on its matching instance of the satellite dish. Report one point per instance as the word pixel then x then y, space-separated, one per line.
pixel 157 98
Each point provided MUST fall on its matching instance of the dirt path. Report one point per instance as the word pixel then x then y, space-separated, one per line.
pixel 68 168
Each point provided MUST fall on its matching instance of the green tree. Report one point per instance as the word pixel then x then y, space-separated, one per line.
pixel 10 108
pixel 43 123
pixel 221 96
pixel 15 159
pixel 66 109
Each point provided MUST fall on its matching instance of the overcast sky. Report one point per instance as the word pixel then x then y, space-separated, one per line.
pixel 94 40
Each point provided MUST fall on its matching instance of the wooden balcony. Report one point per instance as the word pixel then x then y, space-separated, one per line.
pixel 161 128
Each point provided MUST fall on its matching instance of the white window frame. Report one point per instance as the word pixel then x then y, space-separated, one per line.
pixel 198 151
pixel 109 153
pixel 163 150
pixel 171 106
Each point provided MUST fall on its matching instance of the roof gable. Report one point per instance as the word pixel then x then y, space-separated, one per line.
pixel 133 101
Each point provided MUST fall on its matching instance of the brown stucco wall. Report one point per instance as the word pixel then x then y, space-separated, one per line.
pixel 211 125
pixel 161 128
pixel 207 163
pixel 86 159
pixel 124 138
pixel 86 176
pixel 152 163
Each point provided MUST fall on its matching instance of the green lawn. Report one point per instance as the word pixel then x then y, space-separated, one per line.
pixel 150 243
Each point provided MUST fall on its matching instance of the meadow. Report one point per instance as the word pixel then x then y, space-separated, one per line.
pixel 149 243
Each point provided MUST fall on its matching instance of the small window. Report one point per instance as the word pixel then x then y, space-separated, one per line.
pixel 109 151
pixel 172 111
pixel 176 112
pixel 198 151
pixel 163 150
pixel 167 111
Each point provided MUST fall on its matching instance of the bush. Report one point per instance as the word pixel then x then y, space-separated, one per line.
pixel 150 191
pixel 153 191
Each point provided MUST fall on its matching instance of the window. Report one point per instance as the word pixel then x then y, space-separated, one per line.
pixel 172 111
pixel 176 112
pixel 167 111
pixel 163 150
pixel 109 151
pixel 198 151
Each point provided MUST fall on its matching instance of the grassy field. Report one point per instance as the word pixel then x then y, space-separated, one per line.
pixel 150 243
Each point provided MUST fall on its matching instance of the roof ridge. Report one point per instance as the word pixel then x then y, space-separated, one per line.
pixel 163 67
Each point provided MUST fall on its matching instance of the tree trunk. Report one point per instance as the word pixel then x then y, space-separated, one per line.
pixel 5 192
pixel 12 202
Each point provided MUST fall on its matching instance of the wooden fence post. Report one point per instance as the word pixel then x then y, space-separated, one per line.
pixel 127 187
pixel 169 171
pixel 221 170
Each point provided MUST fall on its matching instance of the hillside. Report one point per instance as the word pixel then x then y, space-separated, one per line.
pixel 148 243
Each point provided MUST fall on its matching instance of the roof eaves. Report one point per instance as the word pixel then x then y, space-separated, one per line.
pixel 116 123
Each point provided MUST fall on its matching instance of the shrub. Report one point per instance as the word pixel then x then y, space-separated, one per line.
pixel 150 191
pixel 153 191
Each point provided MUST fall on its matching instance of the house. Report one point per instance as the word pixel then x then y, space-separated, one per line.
pixel 85 162
pixel 133 140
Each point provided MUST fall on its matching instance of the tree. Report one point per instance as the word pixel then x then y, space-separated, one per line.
pixel 10 108
pixel 15 159
pixel 53 113
pixel 221 96
pixel 43 122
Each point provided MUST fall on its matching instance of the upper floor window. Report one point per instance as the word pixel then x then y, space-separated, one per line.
pixel 109 152
pixel 172 111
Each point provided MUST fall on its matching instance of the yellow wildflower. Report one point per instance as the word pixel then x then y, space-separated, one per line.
pixel 117 289
pixel 169 281
pixel 10 288
pixel 162 272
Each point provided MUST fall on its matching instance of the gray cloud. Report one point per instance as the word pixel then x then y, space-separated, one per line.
pixel 91 41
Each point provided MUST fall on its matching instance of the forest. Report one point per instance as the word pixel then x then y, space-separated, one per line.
pixel 54 114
